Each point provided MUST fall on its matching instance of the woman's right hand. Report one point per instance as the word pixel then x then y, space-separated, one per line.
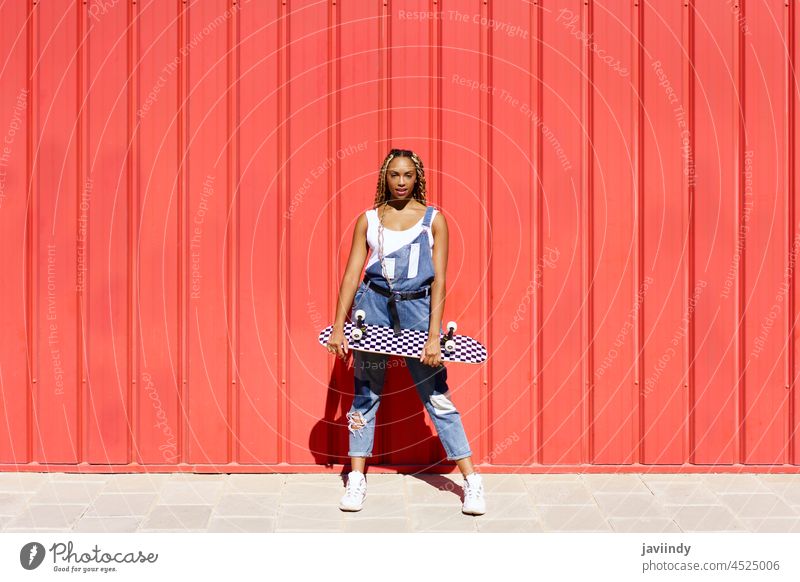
pixel 337 343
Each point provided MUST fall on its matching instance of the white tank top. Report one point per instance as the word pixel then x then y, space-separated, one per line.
pixel 392 239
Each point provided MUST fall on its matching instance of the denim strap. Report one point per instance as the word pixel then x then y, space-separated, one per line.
pixel 426 222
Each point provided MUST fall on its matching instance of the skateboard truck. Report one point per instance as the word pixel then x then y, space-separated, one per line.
pixel 358 328
pixel 449 342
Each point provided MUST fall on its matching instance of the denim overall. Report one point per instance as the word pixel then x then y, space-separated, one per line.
pixel 413 270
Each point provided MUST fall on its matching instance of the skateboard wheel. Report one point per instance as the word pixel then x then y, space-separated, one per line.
pixel 360 314
pixel 450 345
pixel 452 325
pixel 355 334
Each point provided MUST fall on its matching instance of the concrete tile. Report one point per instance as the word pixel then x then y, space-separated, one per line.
pixel 247 505
pixel 5 520
pixel 64 493
pixel 108 524
pixel 13 503
pixel 689 493
pixel 502 483
pixel 376 477
pixel 241 524
pixel 314 493
pixel 448 481
pixel 121 504
pixel 440 518
pixel 316 478
pixel 47 516
pixel 261 484
pixel 136 483
pixel 380 506
pixel 638 505
pixel 356 523
pixel 550 478
pixel 508 525
pixel 614 483
pixel 177 518
pixel 564 493
pixel 243 502
pixel 734 483
pixel 772 524
pixel 789 478
pixel 434 497
pixel 80 477
pixel 705 518
pixel 643 525
pixel 309 518
pixel 36 530
pixel 757 505
pixel 788 491
pixel 510 506
pixel 433 489
pixel 195 530
pixel 191 492
pixel 193 477
pixel 674 478
pixel 572 518
pixel 22 482
pixel 384 484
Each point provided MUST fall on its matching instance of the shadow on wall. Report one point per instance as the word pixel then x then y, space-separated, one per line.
pixel 402 435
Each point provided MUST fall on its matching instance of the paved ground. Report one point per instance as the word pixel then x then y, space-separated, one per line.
pixel 61 502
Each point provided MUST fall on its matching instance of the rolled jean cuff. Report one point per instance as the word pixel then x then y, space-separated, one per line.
pixel 457 457
pixel 359 454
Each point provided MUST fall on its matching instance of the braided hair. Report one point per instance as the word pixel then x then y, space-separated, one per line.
pixel 420 188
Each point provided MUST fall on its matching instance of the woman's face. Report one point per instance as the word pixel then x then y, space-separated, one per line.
pixel 401 175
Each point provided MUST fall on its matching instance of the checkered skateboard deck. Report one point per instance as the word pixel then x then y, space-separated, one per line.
pixel 378 339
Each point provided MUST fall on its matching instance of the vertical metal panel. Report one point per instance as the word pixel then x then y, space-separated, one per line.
pixel 159 439
pixel 713 389
pixel 767 248
pixel 612 273
pixel 563 228
pixel 102 235
pixel 509 213
pixel 358 77
pixel 793 131
pixel 15 105
pixel 58 389
pixel 664 219
pixel 306 232
pixel 179 183
pixel 260 243
pixel 410 78
pixel 464 169
pixel 205 165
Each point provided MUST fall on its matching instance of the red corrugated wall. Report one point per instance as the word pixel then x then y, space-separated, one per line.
pixel 179 182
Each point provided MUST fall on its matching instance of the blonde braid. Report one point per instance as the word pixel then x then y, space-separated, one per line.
pixel 421 192
pixel 380 193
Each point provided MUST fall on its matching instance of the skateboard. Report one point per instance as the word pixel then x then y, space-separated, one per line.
pixel 378 339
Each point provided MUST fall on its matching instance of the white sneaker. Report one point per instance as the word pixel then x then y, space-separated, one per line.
pixel 474 503
pixel 353 498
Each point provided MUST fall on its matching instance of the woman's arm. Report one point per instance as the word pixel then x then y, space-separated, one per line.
pixel 352 273
pixel 438 287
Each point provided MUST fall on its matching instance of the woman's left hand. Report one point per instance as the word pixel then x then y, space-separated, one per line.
pixel 432 352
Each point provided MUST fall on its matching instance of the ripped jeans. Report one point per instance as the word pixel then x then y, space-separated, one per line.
pixel 431 383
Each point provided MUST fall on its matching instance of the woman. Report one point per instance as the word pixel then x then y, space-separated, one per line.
pixel 400 230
